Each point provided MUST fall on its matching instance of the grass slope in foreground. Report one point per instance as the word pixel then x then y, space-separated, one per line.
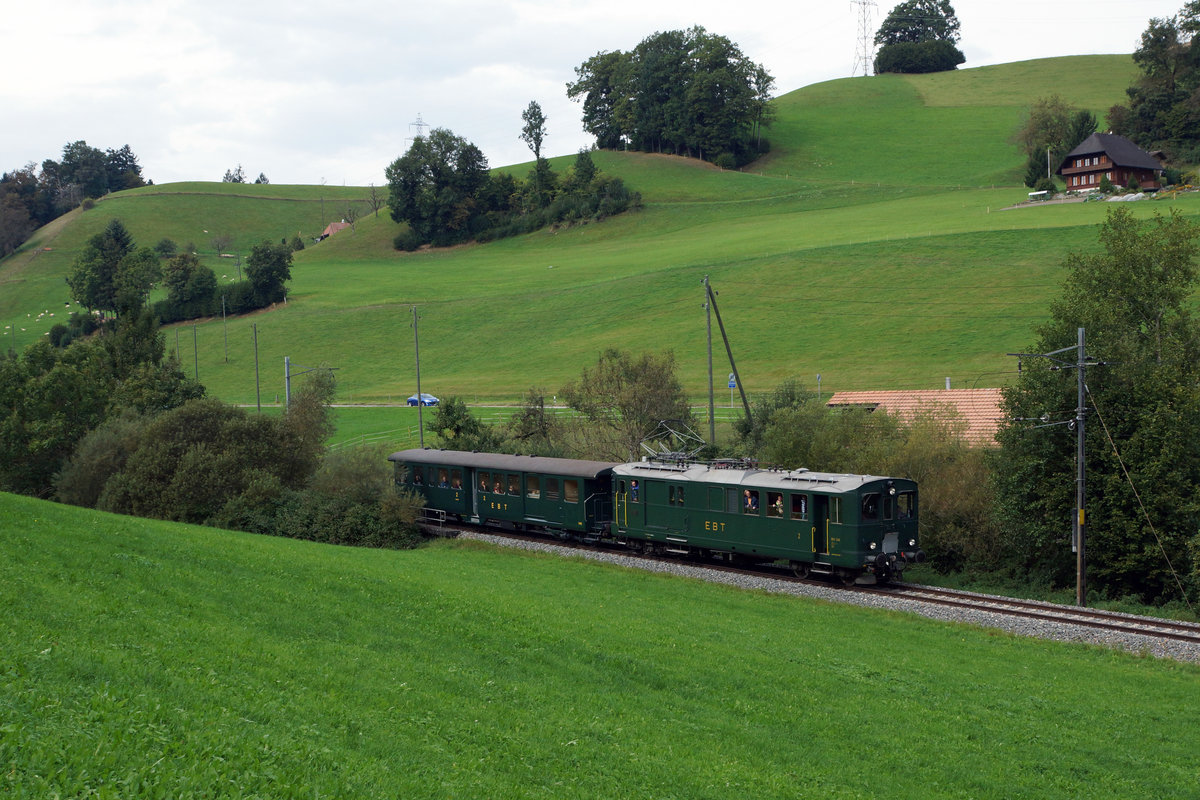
pixel 146 659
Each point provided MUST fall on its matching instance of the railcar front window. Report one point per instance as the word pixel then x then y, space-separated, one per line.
pixel 870 507
pixel 906 505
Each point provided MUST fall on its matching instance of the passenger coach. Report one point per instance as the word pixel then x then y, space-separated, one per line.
pixel 555 494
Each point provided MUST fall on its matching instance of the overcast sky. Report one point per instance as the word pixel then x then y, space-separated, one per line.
pixel 308 92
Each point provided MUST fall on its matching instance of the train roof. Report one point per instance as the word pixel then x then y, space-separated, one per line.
pixel 570 467
pixel 792 480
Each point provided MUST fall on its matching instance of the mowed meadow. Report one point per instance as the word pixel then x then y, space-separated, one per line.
pixel 872 246
pixel 158 660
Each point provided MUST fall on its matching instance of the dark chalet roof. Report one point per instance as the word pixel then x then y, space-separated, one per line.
pixel 1121 151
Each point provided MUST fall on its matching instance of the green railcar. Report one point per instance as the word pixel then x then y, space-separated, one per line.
pixel 861 528
pixel 567 496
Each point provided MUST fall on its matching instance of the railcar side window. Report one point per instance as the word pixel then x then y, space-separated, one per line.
pixel 679 495
pixel 870 507
pixel 571 491
pixel 671 495
pixel 485 481
pixel 418 478
pixel 456 479
pixel 514 484
pixel 444 478
pixel 906 505
pixel 551 488
pixel 775 504
pixel 835 510
pixel 750 501
pixel 799 506
pixel 531 487
pixel 716 499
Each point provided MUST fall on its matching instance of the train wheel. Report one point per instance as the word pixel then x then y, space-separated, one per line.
pixel 848 579
pixel 800 569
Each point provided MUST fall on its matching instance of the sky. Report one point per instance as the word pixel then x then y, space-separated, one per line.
pixel 312 93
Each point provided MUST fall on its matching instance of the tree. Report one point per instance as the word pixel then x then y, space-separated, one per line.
pixel 625 398
pixel 93 275
pixel 1047 125
pixel 687 92
pixel 1134 300
pixel 534 130
pixel 457 428
pixel 918 36
pixel 268 268
pixel 262 178
pixel 919 21
pixel 15 223
pixel 433 187
pixel 85 167
pixel 122 170
pixel 135 276
pixel 234 175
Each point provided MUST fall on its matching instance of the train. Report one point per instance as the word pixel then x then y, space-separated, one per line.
pixel 855 528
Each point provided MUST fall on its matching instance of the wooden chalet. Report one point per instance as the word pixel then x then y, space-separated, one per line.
pixel 979 410
pixel 1112 156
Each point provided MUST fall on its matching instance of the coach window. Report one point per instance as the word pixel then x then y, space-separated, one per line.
pixel 444 478
pixel 774 504
pixel 418 478
pixel 485 481
pixel 456 479
pixel 571 490
pixel 799 506
pixel 906 505
pixel 551 488
pixel 514 484
pixel 870 507
pixel 531 487
pixel 835 510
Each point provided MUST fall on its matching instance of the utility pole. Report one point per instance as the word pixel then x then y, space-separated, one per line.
pixel 420 399
pixel 257 387
pixel 712 425
pixel 864 56
pixel 1079 523
pixel 712 300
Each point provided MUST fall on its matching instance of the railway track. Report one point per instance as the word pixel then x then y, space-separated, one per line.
pixel 1046 612
pixel 1034 611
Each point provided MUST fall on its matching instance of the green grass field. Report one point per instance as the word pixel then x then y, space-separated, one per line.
pixel 870 246
pixel 146 659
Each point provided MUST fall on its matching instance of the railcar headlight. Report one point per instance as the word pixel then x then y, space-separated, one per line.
pixel 912 542
pixel 874 545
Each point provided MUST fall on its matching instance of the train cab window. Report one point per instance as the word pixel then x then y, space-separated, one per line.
pixel 775 504
pixel 870 507
pixel 456 479
pixel 571 491
pixel 551 488
pixel 750 502
pixel 906 505
pixel 485 480
pixel 514 484
pixel 531 487
pixel 444 478
pixel 835 510
pixel 799 506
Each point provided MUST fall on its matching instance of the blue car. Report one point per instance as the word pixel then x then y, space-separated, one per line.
pixel 425 400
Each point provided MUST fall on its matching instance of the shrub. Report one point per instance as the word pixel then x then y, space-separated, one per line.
pixel 918 57
pixel 407 241
pixel 101 454
pixel 726 161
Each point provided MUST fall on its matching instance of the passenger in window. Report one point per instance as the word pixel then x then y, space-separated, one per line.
pixel 633 490
pixel 751 501
pixel 483 484
pixel 417 478
pixel 456 483
pixel 497 488
pixel 776 509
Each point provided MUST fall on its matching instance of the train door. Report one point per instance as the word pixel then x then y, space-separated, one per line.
pixel 629 503
pixel 820 524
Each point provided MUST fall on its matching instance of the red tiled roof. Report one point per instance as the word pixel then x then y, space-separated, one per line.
pixel 978 408
pixel 334 227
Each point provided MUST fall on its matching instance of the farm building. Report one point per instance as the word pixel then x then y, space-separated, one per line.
pixel 979 409
pixel 1109 155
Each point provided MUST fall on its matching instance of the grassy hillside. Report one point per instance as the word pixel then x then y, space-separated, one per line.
pixel 870 246
pixel 147 659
